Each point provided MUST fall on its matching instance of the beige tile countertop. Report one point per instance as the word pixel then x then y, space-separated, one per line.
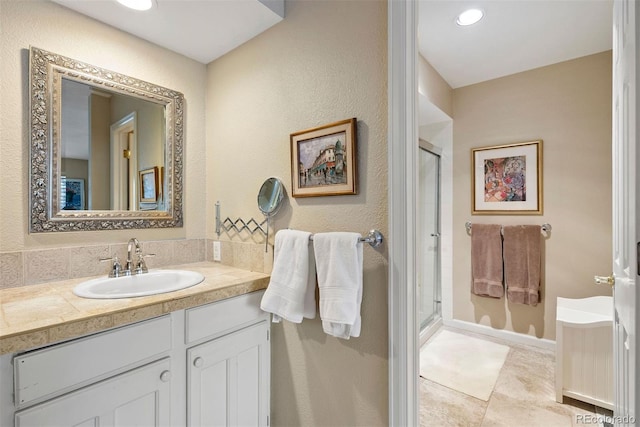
pixel 38 315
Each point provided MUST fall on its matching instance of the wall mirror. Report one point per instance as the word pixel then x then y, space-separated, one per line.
pixel 106 149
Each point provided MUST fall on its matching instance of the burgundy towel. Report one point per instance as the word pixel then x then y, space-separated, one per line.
pixel 522 263
pixel 486 260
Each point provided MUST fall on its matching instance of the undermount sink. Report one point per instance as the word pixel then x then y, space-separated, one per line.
pixel 151 283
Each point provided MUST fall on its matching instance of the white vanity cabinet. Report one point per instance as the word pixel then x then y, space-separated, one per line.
pixel 203 366
pixel 228 380
pixel 118 377
pixel 141 397
pixel 228 376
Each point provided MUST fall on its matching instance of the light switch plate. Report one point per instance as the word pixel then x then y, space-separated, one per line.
pixel 216 251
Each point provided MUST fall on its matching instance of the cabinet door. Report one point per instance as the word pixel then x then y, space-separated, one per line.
pixel 228 379
pixel 141 397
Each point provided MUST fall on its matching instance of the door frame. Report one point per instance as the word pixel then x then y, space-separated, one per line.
pixel 402 196
pixel 123 133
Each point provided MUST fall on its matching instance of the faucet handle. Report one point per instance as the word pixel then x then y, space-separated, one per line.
pixel 116 268
pixel 142 266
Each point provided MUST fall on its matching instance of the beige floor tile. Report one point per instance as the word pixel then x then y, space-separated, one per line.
pixel 506 411
pixel 528 376
pixel 441 406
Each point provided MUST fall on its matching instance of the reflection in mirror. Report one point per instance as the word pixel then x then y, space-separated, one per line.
pixel 270 196
pixel 94 132
pixel 106 138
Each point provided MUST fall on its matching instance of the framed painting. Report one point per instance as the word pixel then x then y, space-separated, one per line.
pixel 323 160
pixel 507 179
pixel 149 185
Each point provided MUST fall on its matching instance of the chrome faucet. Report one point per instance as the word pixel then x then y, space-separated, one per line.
pixel 139 266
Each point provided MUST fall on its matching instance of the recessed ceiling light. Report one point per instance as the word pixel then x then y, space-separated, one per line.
pixel 468 17
pixel 137 4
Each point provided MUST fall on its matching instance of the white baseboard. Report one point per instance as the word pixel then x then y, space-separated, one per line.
pixel 429 331
pixel 510 336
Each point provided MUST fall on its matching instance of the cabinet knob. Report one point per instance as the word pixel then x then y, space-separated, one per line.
pixel 165 376
pixel 198 362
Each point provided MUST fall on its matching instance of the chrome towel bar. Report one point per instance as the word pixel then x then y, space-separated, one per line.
pixel 374 238
pixel 544 227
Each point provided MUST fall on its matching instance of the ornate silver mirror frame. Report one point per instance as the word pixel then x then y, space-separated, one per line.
pixel 45 74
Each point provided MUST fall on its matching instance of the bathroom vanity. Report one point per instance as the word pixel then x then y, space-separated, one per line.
pixel 205 363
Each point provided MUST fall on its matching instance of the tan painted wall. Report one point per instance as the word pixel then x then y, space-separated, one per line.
pixel 434 87
pixel 325 62
pixel 568 105
pixel 100 153
pixel 39 23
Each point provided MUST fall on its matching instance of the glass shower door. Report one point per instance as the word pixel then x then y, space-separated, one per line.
pixel 428 236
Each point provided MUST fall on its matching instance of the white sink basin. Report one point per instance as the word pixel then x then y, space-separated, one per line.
pixel 151 283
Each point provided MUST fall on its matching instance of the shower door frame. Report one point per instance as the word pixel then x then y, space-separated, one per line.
pixel 426 331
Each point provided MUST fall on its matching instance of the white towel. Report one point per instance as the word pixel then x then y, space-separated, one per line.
pixel 339 265
pixel 291 293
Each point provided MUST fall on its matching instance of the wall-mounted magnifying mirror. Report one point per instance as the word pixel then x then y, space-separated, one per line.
pixel 270 196
pixel 269 200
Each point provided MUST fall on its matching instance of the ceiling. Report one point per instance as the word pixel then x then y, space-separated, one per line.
pixel 513 36
pixel 198 29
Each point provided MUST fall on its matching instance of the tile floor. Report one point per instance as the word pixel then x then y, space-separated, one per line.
pixel 524 396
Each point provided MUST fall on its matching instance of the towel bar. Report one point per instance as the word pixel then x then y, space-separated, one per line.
pixel 544 227
pixel 374 238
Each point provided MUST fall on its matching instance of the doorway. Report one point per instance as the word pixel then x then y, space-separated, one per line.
pixel 429 273
pixel 124 162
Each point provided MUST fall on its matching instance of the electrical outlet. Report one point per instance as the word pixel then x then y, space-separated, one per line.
pixel 216 251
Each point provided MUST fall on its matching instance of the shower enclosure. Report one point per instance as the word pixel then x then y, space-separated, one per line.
pixel 429 287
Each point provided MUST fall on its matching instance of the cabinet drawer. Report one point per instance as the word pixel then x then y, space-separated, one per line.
pixel 226 315
pixel 58 369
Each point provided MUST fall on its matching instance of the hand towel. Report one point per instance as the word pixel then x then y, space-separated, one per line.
pixel 339 265
pixel 291 293
pixel 522 263
pixel 486 260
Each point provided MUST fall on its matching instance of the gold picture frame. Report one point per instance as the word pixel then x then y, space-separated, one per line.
pixel 149 185
pixel 507 179
pixel 323 160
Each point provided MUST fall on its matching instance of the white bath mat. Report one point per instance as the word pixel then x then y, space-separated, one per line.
pixel 463 363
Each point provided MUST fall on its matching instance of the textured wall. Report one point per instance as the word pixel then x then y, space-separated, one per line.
pixel 325 62
pixel 434 87
pixel 568 106
pixel 52 27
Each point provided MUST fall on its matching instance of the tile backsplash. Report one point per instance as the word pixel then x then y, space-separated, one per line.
pixel 31 267
pixel 247 256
